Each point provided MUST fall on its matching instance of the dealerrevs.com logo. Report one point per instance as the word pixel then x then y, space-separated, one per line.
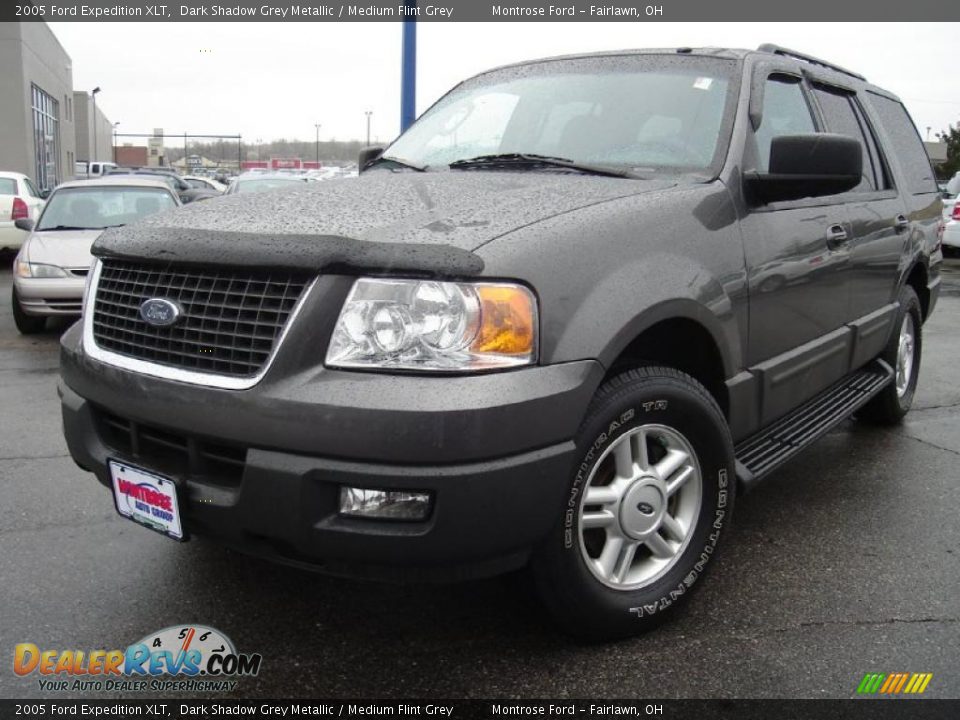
pixel 177 658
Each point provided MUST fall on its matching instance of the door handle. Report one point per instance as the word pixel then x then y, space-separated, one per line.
pixel 901 223
pixel 836 237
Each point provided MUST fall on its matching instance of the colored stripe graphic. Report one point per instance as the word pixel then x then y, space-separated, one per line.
pixel 870 683
pixel 894 683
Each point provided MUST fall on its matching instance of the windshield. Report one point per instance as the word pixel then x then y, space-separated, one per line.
pixel 95 208
pixel 255 185
pixel 645 113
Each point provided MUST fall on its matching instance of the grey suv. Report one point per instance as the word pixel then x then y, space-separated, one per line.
pixel 559 323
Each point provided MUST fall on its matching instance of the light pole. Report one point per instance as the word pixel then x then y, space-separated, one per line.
pixel 95 150
pixel 317 126
pixel 115 140
pixel 368 113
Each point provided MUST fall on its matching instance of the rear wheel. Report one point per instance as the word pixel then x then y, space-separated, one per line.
pixel 26 324
pixel 646 506
pixel 903 354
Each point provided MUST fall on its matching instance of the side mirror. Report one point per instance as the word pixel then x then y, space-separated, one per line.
pixel 23 224
pixel 368 155
pixel 44 194
pixel 812 165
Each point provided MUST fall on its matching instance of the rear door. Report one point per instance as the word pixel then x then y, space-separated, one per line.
pixel 878 224
pixel 917 187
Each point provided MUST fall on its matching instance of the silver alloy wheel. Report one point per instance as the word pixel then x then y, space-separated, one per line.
pixel 905 354
pixel 640 507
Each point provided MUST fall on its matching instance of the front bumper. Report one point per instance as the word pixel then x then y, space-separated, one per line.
pixel 50 296
pixel 261 469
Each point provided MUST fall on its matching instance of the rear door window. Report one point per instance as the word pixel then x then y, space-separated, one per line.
pixel 905 143
pixel 841 118
pixel 8 186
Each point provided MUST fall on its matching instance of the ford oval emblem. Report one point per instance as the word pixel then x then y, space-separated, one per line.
pixel 160 312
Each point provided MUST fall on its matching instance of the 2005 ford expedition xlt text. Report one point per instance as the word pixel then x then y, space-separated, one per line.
pixel 559 323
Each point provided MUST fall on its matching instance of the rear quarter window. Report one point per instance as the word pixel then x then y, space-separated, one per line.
pixel 8 186
pixel 905 144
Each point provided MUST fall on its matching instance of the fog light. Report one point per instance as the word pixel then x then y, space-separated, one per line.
pixel 384 504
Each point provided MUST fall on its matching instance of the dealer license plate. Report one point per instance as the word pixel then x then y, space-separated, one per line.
pixel 146 498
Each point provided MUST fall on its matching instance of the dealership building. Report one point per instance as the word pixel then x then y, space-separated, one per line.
pixel 41 116
pixel 94 133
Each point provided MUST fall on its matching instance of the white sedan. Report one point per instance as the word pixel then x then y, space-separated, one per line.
pixel 951 233
pixel 19 199
pixel 51 268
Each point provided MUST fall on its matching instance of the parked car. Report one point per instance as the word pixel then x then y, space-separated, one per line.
pixel 19 200
pixel 951 231
pixel 51 268
pixel 953 185
pixel 204 183
pixel 184 190
pixel 530 334
pixel 84 170
pixel 262 182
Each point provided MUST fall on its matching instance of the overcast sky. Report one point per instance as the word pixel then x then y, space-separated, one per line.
pixel 276 80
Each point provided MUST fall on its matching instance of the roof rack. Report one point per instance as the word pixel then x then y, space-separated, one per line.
pixel 777 50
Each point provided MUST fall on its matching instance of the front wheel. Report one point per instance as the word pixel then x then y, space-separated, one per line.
pixel 26 324
pixel 646 506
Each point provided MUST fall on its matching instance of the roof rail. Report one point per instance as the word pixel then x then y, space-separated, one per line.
pixel 777 50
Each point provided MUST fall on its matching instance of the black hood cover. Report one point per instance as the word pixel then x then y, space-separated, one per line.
pixel 383 221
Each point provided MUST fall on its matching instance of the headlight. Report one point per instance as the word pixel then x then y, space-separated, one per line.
pixel 436 326
pixel 38 270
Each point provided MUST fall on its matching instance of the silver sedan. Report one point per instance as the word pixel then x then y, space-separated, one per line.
pixel 51 268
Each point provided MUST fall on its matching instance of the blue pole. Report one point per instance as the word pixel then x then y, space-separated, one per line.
pixel 408 83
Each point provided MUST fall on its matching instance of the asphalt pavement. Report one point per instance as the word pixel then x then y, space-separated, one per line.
pixel 844 562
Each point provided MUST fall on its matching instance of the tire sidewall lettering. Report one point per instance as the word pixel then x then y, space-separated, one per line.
pixel 641 414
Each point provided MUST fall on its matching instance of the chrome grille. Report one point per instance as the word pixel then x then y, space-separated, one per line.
pixel 231 318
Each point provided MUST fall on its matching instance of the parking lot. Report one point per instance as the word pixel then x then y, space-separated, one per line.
pixel 844 562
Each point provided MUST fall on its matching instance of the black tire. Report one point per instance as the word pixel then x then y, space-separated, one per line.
pixel 890 406
pixel 26 324
pixel 584 605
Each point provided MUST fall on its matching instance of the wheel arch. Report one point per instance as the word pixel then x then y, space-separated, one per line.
pixel 917 278
pixel 679 334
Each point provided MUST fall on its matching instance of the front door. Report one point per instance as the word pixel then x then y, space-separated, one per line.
pixel 799 259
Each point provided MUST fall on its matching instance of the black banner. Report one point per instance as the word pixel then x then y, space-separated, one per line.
pixel 865 709
pixel 471 11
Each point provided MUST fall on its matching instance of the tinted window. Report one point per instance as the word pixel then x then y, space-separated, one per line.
pixel 906 144
pixel 8 186
pixel 785 112
pixel 839 114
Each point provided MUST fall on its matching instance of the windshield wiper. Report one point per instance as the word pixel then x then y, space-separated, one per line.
pixel 532 160
pixel 68 227
pixel 397 161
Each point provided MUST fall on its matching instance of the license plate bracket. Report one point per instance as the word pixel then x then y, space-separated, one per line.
pixel 146 498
